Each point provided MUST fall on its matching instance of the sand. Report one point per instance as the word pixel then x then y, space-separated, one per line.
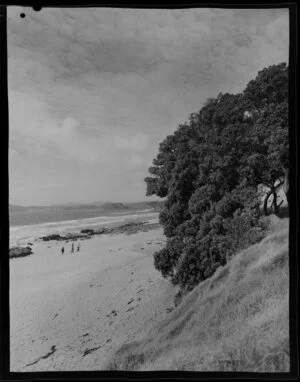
pixel 70 312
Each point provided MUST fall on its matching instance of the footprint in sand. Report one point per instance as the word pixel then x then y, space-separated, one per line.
pixel 113 313
pixel 88 351
pixel 85 340
pixel 52 350
pixel 44 339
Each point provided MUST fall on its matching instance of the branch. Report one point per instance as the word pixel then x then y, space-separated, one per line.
pixel 279 184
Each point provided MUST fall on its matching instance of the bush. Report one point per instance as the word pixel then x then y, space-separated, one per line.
pixel 166 259
pixel 244 229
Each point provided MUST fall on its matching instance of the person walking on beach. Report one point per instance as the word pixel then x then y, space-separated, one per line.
pixel 62 250
pixel 78 247
pixel 72 248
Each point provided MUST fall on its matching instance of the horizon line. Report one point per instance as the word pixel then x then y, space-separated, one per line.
pixel 81 203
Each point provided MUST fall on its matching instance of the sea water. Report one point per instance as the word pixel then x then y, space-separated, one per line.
pixel 24 234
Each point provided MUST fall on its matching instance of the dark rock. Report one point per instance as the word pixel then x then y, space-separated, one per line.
pixel 99 231
pixel 19 252
pixel 52 237
pixel 73 236
pixel 88 231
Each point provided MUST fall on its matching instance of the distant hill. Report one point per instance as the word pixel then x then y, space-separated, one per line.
pixel 25 215
pixel 13 208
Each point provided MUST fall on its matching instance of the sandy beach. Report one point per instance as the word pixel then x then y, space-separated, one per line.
pixel 69 312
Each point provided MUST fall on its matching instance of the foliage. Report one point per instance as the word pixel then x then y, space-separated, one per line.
pixel 209 170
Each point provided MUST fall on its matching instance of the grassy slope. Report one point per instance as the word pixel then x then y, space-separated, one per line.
pixel 241 313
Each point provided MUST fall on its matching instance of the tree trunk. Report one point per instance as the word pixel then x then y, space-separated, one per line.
pixel 286 184
pixel 274 205
pixel 266 212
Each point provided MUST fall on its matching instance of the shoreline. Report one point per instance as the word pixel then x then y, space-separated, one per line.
pixel 100 216
pixel 71 312
pixel 21 235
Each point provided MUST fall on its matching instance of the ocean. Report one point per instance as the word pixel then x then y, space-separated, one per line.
pixel 22 234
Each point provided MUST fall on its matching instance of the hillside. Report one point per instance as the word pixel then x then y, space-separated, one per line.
pixel 238 320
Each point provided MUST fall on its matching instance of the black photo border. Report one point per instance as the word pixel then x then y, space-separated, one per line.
pixel 5 373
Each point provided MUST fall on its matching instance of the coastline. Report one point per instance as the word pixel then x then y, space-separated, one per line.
pixel 71 312
pixel 21 234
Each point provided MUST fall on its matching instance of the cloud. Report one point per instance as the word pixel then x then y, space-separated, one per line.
pixel 136 143
pixel 94 90
pixel 136 160
pixel 69 124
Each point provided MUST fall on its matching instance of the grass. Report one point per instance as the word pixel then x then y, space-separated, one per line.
pixel 238 320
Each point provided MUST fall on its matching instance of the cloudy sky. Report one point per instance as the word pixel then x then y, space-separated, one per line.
pixel 93 91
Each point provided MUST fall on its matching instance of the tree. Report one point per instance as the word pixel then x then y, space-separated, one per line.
pixel 267 99
pixel 209 170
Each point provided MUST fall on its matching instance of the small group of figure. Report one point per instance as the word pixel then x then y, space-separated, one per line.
pixel 72 248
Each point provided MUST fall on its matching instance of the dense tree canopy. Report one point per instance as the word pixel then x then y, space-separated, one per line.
pixel 209 170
